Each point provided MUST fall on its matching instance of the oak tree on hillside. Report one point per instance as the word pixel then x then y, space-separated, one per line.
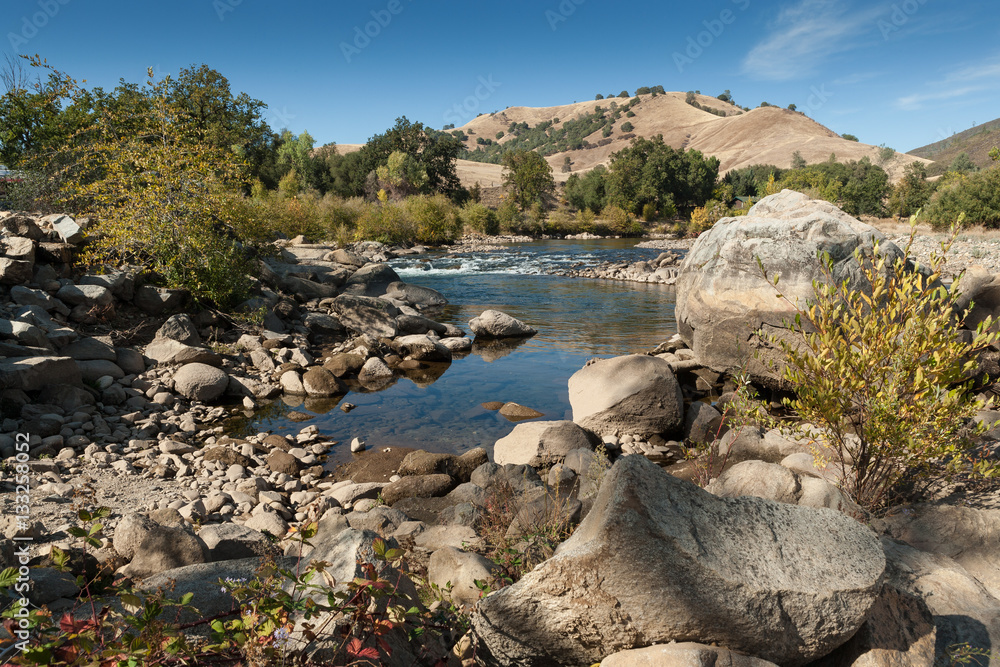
pixel 528 176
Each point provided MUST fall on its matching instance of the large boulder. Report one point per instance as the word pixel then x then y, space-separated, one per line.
pixel 371 280
pixel 541 443
pixel 415 294
pixel 494 324
pixel 200 382
pixel 727 309
pixel 658 559
pixel 366 315
pixel 633 394
pixel 33 373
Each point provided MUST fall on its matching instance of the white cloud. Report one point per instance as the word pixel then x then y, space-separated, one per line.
pixel 805 34
pixel 960 82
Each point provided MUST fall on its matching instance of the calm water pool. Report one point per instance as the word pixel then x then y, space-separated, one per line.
pixel 577 319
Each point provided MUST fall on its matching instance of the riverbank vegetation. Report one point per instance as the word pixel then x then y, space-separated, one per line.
pixel 185 179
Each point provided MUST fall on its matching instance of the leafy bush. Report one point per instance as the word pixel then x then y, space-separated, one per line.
pixel 620 221
pixel 510 217
pixel 481 219
pixel 434 218
pixel 884 374
pixel 975 195
pixel 912 191
pixel 627 126
pixel 387 223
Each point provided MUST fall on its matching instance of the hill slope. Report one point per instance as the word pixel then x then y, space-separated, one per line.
pixel 976 142
pixel 739 139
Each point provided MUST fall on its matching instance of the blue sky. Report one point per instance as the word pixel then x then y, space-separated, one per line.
pixel 904 73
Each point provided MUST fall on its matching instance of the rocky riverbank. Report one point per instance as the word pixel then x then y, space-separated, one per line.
pixel 768 564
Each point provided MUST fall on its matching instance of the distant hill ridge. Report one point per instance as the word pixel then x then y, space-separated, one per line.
pixel 766 135
pixel 976 142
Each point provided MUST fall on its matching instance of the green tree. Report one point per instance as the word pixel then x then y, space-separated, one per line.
pixel 798 162
pixel 627 127
pixel 401 176
pixel 963 164
pixel 849 137
pixel 977 196
pixel 436 153
pixel 912 191
pixel 588 191
pixel 624 93
pixel 649 171
pixel 866 188
pixel 528 177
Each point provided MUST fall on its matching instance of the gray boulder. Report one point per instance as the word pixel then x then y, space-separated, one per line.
pixel 726 308
pixel 158 300
pixel 459 570
pixel 67 228
pixel 179 327
pixel 230 541
pixel 318 381
pixel 658 559
pixel 164 548
pixel 34 373
pixel 542 443
pixel 90 296
pixel 200 382
pixel 15 271
pixel 371 280
pixel 494 324
pixel 89 349
pixel 366 315
pixel 633 394
pixel 682 654
pixel 166 352
pixel 416 295
pixel 421 348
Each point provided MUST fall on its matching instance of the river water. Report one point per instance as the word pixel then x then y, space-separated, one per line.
pixel 577 319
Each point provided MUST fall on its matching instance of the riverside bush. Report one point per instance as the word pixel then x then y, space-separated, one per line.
pixel 884 373
pixel 480 218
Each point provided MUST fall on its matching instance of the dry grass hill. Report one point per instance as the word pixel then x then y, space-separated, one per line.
pixel 766 135
pixel 975 142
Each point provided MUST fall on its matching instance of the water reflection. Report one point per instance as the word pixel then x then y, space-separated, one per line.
pixel 438 406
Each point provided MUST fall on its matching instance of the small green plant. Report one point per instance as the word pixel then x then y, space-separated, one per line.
pixel 886 376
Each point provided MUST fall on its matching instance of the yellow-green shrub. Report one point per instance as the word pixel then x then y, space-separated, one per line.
pixel 480 218
pixel 884 373
pixel 435 219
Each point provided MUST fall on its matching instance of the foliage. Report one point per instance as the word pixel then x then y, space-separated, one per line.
pixel 627 126
pixel 538 535
pixel 621 222
pixel 510 217
pixel 434 152
pixel 650 171
pixel 402 175
pixel 528 177
pixel 882 372
pixel 480 218
pixel 859 187
pixel 975 195
pixel 797 160
pixel 849 137
pixel 587 191
pixel 350 620
pixel 750 181
pixel 963 164
pixel 912 191
pixel 435 218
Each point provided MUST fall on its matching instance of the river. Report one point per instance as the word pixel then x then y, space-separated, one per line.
pixel 577 319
